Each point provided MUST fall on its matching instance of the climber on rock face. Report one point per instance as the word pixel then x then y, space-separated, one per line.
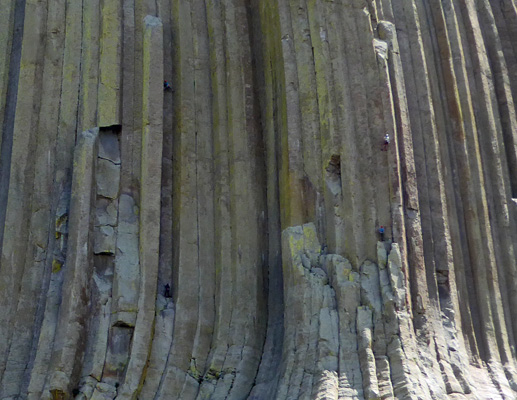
pixel 324 250
pixel 167 291
pixel 381 233
pixel 386 142
pixel 166 85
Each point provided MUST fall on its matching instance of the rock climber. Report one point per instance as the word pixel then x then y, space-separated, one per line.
pixel 381 233
pixel 167 291
pixel 324 250
pixel 386 142
pixel 166 85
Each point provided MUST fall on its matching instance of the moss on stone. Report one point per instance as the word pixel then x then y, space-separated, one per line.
pixel 56 266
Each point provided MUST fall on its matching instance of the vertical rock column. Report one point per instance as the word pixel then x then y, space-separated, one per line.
pixel 164 322
pixel 105 227
pixel 6 38
pixel 247 324
pixel 291 145
pixel 475 249
pixel 268 376
pixel 493 335
pixel 204 178
pixel 422 127
pixel 414 252
pixel 336 126
pixel 90 53
pixel 505 153
pixel 61 152
pixel 108 110
pixel 152 137
pixel 222 211
pixel 309 143
pixel 71 327
pixel 34 268
pixel 163 327
pixel 11 26
pixel 185 229
pixel 371 201
pixel 17 179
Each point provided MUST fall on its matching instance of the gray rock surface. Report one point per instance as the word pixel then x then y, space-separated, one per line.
pixel 219 239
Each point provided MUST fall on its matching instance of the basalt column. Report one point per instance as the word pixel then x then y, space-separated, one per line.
pixel 258 199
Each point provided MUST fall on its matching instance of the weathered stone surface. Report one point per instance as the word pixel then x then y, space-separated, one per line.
pixel 126 279
pixel 218 238
pixel 70 332
pixel 149 216
pixel 103 391
pixel 108 178
pixel 106 212
pixel 109 146
pixel 110 49
pixel 104 240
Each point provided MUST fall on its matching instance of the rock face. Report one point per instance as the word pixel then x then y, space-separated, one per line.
pixel 255 187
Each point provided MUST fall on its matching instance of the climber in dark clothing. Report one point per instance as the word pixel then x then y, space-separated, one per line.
pixel 166 85
pixel 386 143
pixel 381 233
pixel 167 291
pixel 324 250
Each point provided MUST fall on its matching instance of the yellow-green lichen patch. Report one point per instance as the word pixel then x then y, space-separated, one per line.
pixel 56 266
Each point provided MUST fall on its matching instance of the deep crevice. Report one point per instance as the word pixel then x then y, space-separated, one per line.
pixel 333 174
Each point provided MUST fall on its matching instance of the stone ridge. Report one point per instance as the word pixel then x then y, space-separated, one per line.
pixel 219 237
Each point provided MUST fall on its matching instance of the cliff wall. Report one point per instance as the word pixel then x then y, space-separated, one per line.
pixel 219 238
